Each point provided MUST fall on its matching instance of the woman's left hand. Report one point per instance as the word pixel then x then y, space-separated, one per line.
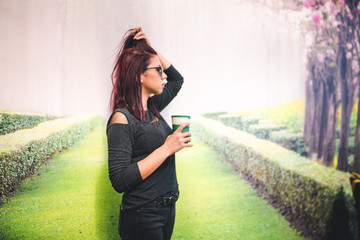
pixel 139 34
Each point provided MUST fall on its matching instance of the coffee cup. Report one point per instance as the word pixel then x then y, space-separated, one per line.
pixel 177 120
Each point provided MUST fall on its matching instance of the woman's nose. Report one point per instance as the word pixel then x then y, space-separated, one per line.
pixel 163 76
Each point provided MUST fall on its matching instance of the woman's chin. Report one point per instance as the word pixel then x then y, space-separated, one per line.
pixel 159 92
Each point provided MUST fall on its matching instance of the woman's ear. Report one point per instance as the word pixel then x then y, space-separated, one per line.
pixel 142 77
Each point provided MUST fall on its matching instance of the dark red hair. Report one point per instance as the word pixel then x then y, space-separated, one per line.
pixel 131 61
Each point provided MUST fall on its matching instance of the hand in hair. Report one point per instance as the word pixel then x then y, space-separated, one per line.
pixel 139 34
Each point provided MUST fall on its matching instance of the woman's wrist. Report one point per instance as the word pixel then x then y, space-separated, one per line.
pixel 164 62
pixel 165 150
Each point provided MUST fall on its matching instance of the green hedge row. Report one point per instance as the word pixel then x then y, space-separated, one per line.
pixel 238 121
pixel 10 122
pixel 263 129
pixel 24 151
pixel 291 141
pixel 294 181
pixel 214 115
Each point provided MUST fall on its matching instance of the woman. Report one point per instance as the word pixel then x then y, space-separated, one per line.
pixel 141 144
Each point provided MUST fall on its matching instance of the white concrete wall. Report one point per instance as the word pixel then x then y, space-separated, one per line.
pixel 57 55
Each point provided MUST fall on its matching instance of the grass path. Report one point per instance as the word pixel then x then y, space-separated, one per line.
pixel 72 198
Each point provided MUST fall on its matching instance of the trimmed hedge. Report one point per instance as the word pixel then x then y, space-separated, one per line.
pixel 241 122
pixel 264 129
pixel 247 121
pixel 290 114
pixel 10 122
pixel 214 115
pixel 291 141
pixel 295 181
pixel 24 151
pixel 232 120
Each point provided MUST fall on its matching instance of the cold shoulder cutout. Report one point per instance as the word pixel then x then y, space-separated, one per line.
pixel 119 117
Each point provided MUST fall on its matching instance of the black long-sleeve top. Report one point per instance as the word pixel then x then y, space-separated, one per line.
pixel 130 143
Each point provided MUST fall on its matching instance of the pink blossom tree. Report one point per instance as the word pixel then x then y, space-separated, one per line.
pixel 332 61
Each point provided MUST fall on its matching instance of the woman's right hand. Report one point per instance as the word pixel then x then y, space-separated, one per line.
pixel 139 34
pixel 178 140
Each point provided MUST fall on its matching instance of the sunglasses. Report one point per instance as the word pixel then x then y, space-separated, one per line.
pixel 160 69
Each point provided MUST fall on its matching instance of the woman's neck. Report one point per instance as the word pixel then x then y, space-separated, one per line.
pixel 145 98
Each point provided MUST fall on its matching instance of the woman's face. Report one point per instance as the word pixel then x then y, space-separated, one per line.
pixel 152 81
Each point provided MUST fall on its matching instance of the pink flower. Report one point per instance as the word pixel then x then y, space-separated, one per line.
pixel 341 2
pixel 317 18
pixel 308 3
pixel 354 80
pixel 351 17
pixel 358 8
pixel 330 52
pixel 335 23
pixel 333 9
pixel 355 67
pixel 348 55
pixel 321 57
pixel 331 18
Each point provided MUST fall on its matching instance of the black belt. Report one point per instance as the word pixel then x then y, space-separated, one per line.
pixel 166 200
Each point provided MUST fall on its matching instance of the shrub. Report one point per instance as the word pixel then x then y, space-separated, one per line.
pixel 213 115
pixel 10 122
pixel 232 120
pixel 242 122
pixel 24 151
pixel 291 141
pixel 247 121
pixel 290 114
pixel 264 129
pixel 292 180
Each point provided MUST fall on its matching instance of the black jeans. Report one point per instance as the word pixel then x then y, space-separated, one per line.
pixel 152 221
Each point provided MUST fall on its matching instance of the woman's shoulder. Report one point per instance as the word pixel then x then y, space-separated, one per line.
pixel 122 116
pixel 119 117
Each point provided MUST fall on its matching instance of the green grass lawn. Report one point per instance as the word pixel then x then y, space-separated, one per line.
pixel 72 198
